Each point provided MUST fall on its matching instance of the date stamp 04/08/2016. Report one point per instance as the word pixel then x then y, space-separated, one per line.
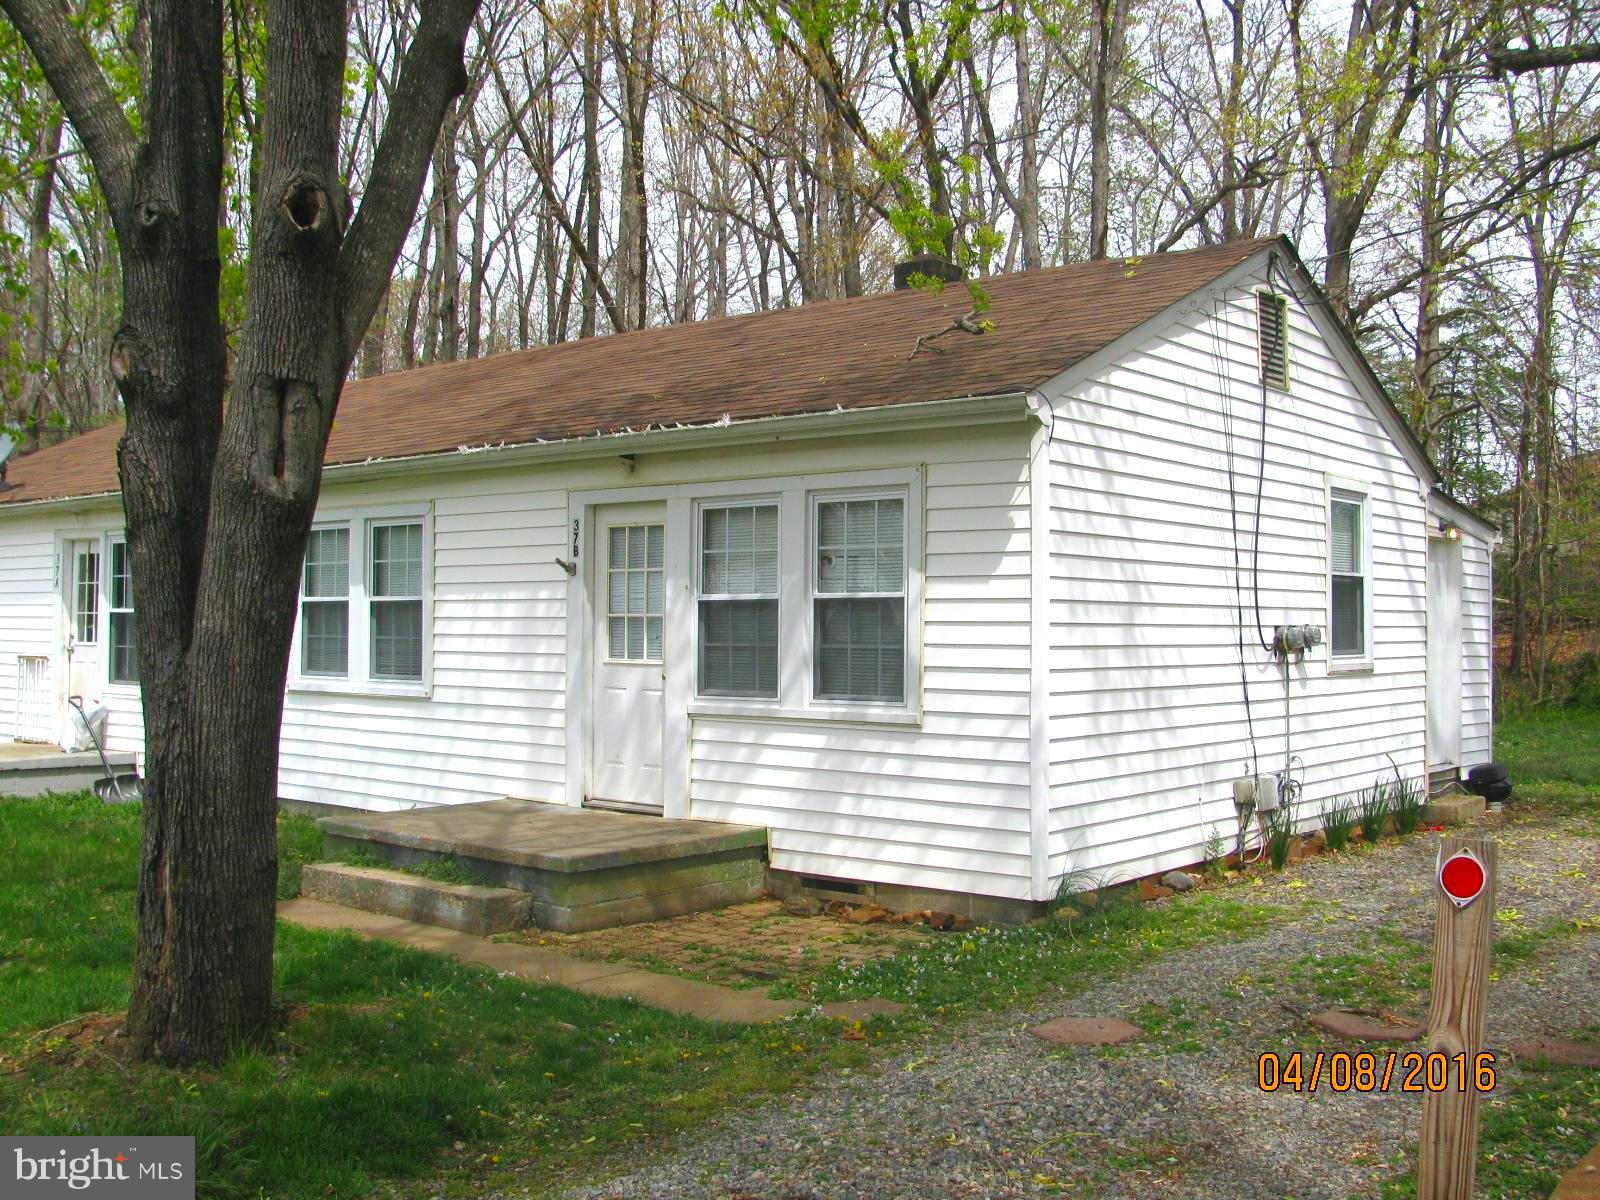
pixel 1411 1071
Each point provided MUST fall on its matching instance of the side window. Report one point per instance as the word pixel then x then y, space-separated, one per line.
pixel 364 606
pixel 396 600
pixel 325 604
pixel 123 666
pixel 1348 575
pixel 738 601
pixel 859 599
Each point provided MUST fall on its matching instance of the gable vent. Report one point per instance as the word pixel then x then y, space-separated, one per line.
pixel 1272 322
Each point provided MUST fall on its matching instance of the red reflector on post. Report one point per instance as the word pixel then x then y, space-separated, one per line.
pixel 1462 878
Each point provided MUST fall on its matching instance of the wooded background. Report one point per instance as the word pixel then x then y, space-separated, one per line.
pixel 620 163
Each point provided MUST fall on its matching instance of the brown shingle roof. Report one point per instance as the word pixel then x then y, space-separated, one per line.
pixel 848 353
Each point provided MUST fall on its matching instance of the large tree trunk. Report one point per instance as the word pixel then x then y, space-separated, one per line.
pixel 217 512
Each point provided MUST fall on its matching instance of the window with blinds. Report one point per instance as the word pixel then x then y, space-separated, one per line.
pixel 1347 635
pixel 396 600
pixel 325 604
pixel 1272 323
pixel 859 599
pixel 738 601
pixel 123 666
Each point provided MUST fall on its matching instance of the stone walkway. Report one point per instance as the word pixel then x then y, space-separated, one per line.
pixel 686 997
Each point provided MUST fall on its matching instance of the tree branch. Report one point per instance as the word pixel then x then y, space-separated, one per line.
pixel 85 95
pixel 1539 58
pixel 431 76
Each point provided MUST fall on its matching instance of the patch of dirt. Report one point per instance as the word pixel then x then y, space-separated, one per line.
pixel 82 1041
pixel 745 945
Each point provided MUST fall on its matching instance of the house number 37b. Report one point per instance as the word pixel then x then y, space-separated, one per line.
pixel 575 539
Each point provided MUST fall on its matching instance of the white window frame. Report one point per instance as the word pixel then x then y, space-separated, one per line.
pixel 358 679
pixel 1351 491
pixel 107 651
pixel 813 581
pixel 603 600
pixel 696 568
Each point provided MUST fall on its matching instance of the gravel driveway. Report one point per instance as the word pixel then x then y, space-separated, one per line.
pixel 983 1109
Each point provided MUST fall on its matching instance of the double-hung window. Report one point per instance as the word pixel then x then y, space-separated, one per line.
pixel 395 552
pixel 363 605
pixel 859 599
pixel 738 601
pixel 1348 574
pixel 325 604
pixel 123 663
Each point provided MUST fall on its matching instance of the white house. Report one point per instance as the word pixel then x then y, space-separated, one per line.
pixel 971 620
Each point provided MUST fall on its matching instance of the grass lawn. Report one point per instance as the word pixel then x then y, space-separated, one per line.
pixel 396 1066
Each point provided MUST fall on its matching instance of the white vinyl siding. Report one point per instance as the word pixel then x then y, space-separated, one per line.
pixel 941 801
pixel 1147 724
pixel 27 607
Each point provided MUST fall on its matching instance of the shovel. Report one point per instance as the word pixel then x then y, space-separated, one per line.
pixel 113 789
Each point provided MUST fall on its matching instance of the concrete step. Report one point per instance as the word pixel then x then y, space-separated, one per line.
pixel 469 908
pixel 584 869
pixel 27 770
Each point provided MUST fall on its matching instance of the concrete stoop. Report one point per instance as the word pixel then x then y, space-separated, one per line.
pixel 466 907
pixel 578 869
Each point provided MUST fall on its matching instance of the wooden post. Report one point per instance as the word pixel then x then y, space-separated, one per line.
pixel 1462 938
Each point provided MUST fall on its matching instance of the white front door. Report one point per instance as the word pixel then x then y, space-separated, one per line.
pixel 1444 653
pixel 80 581
pixel 629 565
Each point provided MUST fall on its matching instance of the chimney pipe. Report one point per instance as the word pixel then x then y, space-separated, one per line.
pixel 931 265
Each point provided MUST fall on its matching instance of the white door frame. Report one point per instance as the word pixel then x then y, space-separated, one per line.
pixel 625 514
pixel 676 633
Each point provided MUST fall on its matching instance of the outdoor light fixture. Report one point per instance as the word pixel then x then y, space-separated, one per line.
pixel 1452 533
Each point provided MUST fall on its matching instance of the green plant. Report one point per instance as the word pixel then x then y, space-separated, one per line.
pixel 1374 805
pixel 1215 852
pixel 1339 821
pixel 1407 799
pixel 1280 837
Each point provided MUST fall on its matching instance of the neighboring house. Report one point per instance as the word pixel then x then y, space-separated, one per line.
pixel 973 620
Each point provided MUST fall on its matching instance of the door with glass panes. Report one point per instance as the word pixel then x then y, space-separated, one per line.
pixel 81 580
pixel 629 564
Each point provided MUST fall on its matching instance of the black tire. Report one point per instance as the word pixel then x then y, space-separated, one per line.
pixel 1487 773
